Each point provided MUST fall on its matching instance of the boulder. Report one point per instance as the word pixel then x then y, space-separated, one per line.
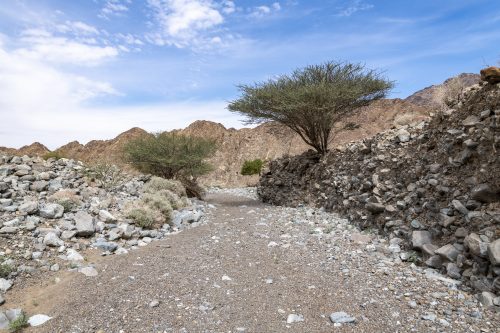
pixel 476 246
pixel 51 239
pixel 491 75
pixel 485 193
pixel 419 238
pixel 494 252
pixel 52 211
pixel 29 208
pixel 39 185
pixel 448 252
pixel 84 224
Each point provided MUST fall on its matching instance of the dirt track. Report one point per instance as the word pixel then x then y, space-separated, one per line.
pixel 246 270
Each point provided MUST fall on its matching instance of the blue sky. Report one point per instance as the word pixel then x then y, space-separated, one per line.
pixel 90 69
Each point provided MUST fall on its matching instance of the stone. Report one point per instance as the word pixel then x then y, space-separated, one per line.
pixel 459 207
pixel 68 234
pixel 154 303
pixel 341 318
pixel 4 321
pixel 9 230
pixel 476 246
pixel 52 211
pixel 28 208
pixel 5 284
pixel 39 186
pixel 448 252
pixel 51 239
pixel 453 270
pixel 429 249
pixel 294 318
pixel 485 193
pixel 403 135
pixel 73 255
pixel 494 252
pixel 84 224
pixel 429 316
pixel 38 320
pixel 13 314
pixel 486 298
pixel 434 261
pixel 375 208
pixel 105 246
pixel 419 238
pixel 491 75
pixel 88 271
pixel 106 216
pixel 461 233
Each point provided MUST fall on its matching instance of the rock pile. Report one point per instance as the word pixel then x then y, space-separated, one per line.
pixel 51 212
pixel 433 187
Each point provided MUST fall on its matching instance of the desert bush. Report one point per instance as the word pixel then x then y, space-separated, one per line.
pixel 312 100
pixel 171 156
pixel 66 198
pixel 160 197
pixel 53 154
pixel 105 174
pixel 156 184
pixel 252 167
pixel 448 92
pixel 5 270
pixel 142 217
pixel 19 323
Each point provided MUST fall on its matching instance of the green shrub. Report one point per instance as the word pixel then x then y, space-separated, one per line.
pixel 252 167
pixel 143 218
pixel 159 202
pixel 156 184
pixel 19 323
pixel 53 154
pixel 105 174
pixel 5 270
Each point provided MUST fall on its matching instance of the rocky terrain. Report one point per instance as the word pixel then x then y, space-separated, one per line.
pixel 52 212
pixel 250 267
pixel 435 187
pixel 267 141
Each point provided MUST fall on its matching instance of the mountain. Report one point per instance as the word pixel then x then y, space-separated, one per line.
pixel 431 97
pixel 267 141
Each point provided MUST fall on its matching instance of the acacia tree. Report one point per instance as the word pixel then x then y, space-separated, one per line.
pixel 312 99
pixel 171 156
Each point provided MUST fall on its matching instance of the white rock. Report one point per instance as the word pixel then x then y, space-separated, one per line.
pixel 226 278
pixel 88 271
pixel 51 239
pixel 293 318
pixel 5 284
pixel 106 216
pixel 73 255
pixel 38 319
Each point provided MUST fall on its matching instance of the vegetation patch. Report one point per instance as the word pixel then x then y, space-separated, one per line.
pixel 252 167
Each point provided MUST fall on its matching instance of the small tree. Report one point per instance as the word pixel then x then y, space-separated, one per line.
pixel 311 100
pixel 171 156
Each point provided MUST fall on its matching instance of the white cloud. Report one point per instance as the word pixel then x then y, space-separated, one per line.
pixel 77 28
pixel 353 7
pixel 228 7
pixel 114 8
pixel 184 23
pixel 42 45
pixel 262 11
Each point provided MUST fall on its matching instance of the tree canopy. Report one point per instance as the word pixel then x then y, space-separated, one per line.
pixel 312 99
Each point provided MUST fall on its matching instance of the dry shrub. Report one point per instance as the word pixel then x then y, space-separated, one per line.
pixel 66 198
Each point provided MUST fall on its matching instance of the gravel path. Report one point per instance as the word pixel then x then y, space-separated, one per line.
pixel 250 267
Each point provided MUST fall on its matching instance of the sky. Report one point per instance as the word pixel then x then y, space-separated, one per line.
pixel 91 69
